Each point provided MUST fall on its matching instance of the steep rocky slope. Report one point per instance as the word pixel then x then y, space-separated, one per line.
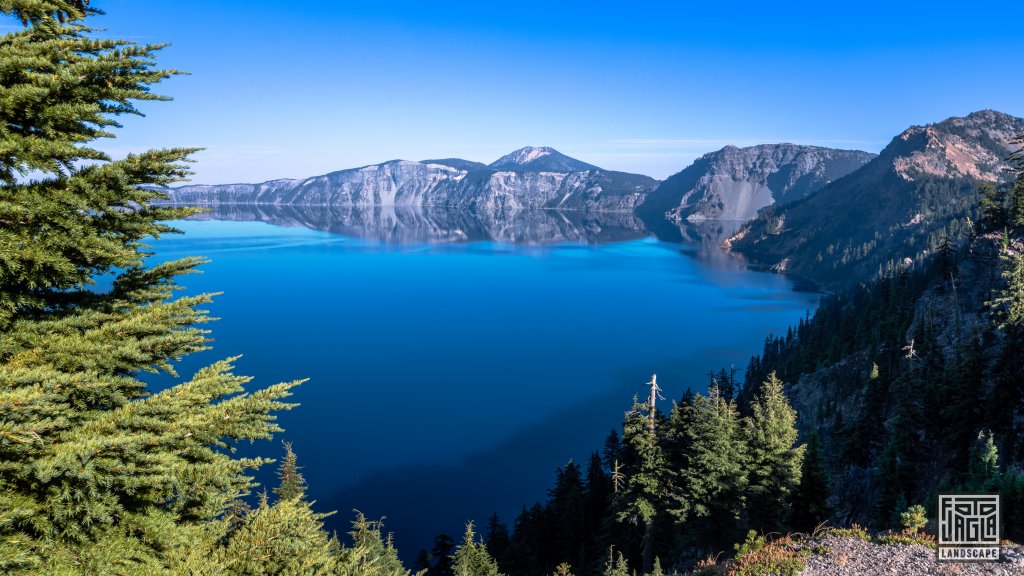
pixel 892 211
pixel 528 178
pixel 734 183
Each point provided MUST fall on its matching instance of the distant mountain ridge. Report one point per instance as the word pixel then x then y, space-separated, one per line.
pixel 891 212
pixel 527 178
pixel 734 183
pixel 542 159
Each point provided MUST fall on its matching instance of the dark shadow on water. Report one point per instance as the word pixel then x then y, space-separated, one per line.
pixel 516 473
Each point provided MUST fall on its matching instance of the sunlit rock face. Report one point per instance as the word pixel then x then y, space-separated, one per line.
pixel 734 183
pixel 527 178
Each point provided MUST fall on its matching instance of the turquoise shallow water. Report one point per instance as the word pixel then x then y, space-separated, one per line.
pixel 449 380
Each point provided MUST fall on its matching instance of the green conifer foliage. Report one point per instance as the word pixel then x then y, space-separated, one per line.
pixel 616 565
pixel 983 463
pixel 1008 305
pixel 372 553
pixel 993 208
pixel 714 469
pixel 810 501
pixel 286 538
pixel 441 555
pixel 774 459
pixel 563 569
pixel 97 473
pixel 1016 211
pixel 472 558
pixel 646 489
pixel 292 485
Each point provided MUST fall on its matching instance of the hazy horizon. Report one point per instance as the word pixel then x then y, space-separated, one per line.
pixel 291 90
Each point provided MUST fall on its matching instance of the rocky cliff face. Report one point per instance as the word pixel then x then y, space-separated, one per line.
pixel 893 210
pixel 734 183
pixel 975 146
pixel 524 183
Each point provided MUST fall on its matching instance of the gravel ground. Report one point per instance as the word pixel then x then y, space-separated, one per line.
pixel 848 556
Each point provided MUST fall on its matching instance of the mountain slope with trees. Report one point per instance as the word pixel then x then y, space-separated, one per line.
pixel 893 212
pixel 913 383
pixel 667 489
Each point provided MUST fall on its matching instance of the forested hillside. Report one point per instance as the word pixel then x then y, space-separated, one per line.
pixel 914 382
pixel 671 489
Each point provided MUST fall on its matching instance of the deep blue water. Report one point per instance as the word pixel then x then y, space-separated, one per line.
pixel 449 380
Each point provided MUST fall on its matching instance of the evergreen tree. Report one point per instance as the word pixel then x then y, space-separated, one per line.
pixel 599 497
pixel 101 474
pixel 291 484
pixel 563 569
pixel 713 474
pixel 993 208
pixel 983 464
pixel 286 538
pixel 774 460
pixel 612 450
pixel 646 489
pixel 616 565
pixel 656 569
pixel 1008 305
pixel 498 540
pixel 567 509
pixel 1016 209
pixel 472 558
pixel 810 501
pixel 372 553
pixel 442 556
pixel 422 563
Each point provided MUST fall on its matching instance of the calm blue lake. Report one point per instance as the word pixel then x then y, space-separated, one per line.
pixel 455 362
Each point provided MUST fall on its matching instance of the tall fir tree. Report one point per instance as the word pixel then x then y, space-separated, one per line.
pixel 291 484
pixel 647 489
pixel 286 538
pixel 102 474
pixel 442 556
pixel 810 501
pixel 993 208
pixel 372 552
pixel 714 471
pixel 774 460
pixel 983 464
pixel 1016 208
pixel 567 507
pixel 498 540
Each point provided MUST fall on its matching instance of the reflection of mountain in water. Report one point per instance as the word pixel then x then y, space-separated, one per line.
pixel 414 224
pixel 401 224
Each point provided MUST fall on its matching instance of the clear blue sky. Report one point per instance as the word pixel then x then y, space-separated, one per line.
pixel 293 89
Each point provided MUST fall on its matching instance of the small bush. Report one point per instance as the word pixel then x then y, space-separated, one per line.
pixel 708 567
pixel 757 557
pixel 906 537
pixel 914 518
pixel 856 531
